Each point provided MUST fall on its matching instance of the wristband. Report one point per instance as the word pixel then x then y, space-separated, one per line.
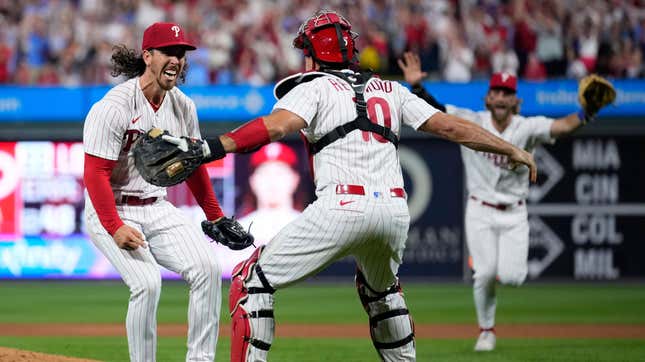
pixel 215 150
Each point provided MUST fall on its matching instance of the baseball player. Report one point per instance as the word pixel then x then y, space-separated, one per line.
pixel 351 121
pixel 128 219
pixel 497 229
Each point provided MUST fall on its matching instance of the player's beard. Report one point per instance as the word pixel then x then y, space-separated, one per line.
pixel 500 112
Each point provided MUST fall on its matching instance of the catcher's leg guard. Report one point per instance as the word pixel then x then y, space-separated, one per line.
pixel 391 326
pixel 252 324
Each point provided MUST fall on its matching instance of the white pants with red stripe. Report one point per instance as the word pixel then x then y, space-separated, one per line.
pixel 177 244
pixel 498 241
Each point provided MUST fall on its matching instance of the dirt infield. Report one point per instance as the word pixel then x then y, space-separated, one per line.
pixel 347 331
pixel 17 355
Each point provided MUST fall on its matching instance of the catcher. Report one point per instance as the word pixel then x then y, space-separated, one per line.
pixel 496 222
pixel 161 163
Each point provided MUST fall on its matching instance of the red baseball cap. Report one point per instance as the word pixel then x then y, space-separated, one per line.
pixel 274 152
pixel 159 35
pixel 503 80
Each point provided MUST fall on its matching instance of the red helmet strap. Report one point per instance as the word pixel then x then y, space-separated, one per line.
pixel 341 43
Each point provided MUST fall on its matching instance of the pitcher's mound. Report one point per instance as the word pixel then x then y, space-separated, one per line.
pixel 18 355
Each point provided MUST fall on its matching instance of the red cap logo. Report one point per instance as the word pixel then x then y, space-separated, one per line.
pixel 159 35
pixel 274 152
pixel 503 80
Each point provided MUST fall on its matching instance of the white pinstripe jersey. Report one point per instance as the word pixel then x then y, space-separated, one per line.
pixel 361 158
pixel 117 120
pixel 488 175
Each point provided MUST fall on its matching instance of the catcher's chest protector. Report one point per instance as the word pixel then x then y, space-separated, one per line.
pixel 361 122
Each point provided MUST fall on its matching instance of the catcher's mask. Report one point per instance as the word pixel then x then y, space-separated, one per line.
pixel 327 38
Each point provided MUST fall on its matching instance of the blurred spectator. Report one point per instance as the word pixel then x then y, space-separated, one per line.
pixel 459 59
pixel 576 68
pixel 374 54
pixel 525 38
pixel 430 55
pixel 35 45
pixel 48 75
pixel 504 60
pixel 22 75
pixel 588 44
pixel 634 60
pixel 249 42
pixel 550 44
pixel 5 55
pixel 534 69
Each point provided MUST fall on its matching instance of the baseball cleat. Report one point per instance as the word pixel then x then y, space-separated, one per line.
pixel 486 341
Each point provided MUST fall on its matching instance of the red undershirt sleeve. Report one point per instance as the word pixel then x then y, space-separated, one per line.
pixel 200 185
pixel 96 175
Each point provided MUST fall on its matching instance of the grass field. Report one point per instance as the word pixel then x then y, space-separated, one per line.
pixel 309 304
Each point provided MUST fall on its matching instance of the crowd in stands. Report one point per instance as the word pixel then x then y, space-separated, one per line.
pixel 69 42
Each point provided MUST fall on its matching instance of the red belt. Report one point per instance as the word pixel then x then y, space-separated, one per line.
pixel 137 201
pixel 360 190
pixel 502 207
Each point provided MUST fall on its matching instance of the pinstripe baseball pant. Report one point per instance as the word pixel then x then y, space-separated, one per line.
pixel 178 245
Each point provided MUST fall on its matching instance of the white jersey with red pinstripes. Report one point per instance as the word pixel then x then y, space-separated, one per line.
pixel 361 158
pixel 488 175
pixel 115 122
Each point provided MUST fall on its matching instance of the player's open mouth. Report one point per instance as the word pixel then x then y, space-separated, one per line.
pixel 172 74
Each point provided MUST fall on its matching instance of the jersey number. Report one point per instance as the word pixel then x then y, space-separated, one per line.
pixel 372 103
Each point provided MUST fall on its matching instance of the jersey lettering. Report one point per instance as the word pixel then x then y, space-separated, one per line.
pixel 339 86
pixel 130 136
pixel 379 85
pixel 498 160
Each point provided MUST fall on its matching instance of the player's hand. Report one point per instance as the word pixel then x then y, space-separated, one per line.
pixel 128 238
pixel 522 157
pixel 410 64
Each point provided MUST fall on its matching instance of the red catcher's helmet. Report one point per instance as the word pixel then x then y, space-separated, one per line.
pixel 327 37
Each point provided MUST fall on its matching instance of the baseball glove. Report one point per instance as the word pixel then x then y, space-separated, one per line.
pixel 594 93
pixel 163 163
pixel 229 232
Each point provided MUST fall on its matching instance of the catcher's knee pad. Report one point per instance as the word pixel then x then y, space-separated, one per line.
pixel 252 324
pixel 391 326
